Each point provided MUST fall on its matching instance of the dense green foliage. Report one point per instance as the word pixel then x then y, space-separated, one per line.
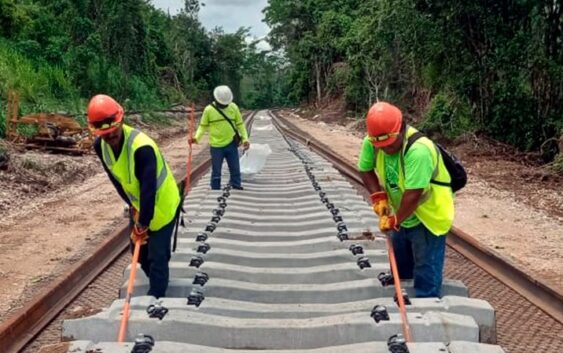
pixel 58 53
pixel 478 65
pixel 455 66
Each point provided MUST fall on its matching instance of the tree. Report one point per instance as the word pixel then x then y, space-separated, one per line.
pixel 229 51
pixel 459 65
pixel 12 18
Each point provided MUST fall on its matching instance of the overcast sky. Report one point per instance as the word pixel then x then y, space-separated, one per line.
pixel 229 14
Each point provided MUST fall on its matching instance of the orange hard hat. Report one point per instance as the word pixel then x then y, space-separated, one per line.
pixel 104 114
pixel 383 124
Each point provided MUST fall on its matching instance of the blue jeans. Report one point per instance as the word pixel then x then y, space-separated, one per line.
pixel 230 153
pixel 154 258
pixel 420 255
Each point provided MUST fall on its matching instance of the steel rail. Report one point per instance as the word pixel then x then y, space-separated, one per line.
pixel 532 289
pixel 26 323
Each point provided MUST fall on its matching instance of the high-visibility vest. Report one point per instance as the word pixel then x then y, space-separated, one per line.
pixel 221 133
pixel 167 194
pixel 436 207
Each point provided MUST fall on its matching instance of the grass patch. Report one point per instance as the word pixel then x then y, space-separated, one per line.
pixel 27 130
pixel 156 119
pixel 557 164
pixel 30 164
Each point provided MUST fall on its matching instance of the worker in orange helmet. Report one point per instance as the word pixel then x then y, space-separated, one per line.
pixel 408 182
pixel 144 181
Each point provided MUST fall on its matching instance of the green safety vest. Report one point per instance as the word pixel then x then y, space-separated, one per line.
pixel 221 133
pixel 167 194
pixel 436 207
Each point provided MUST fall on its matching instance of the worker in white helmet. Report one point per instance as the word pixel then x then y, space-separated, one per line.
pixel 227 132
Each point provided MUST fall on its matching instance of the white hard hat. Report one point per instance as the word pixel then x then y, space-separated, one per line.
pixel 223 95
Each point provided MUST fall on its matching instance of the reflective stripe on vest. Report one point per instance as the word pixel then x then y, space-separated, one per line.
pixel 123 169
pixel 436 207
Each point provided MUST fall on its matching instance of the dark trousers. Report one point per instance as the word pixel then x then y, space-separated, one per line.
pixel 420 255
pixel 154 258
pixel 230 153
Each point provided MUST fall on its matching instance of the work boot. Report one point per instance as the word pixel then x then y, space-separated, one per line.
pixel 237 187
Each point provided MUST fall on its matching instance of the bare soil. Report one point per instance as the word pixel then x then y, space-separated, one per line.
pixel 56 209
pixel 511 204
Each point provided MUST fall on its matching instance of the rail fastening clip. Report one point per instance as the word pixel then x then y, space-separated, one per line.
pixel 143 344
pixel 379 313
pixel 397 344
pixel 157 311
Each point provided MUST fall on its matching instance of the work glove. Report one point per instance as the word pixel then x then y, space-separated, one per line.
pixel 380 203
pixel 245 145
pixel 140 233
pixel 387 223
pixel 192 140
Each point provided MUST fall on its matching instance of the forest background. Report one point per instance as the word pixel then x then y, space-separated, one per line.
pixel 456 67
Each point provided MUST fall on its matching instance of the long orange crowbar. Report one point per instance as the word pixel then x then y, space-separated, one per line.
pixel 130 285
pixel 190 136
pixel 398 290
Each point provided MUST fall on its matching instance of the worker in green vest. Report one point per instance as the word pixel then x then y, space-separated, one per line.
pixel 410 194
pixel 223 121
pixel 144 181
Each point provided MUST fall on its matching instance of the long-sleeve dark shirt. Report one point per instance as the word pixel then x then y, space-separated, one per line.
pixel 145 171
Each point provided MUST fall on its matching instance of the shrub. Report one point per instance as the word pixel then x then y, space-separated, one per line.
pixel 449 115
pixel 2 124
pixel 27 130
pixel 338 79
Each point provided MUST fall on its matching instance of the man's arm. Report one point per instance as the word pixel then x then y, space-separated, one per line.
pixel 366 167
pixel 116 184
pixel 203 125
pixel 146 173
pixel 371 182
pixel 239 123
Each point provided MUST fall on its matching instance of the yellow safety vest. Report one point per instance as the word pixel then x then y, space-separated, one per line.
pixel 167 194
pixel 436 207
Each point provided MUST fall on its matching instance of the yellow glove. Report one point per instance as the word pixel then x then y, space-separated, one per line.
pixel 387 223
pixel 380 204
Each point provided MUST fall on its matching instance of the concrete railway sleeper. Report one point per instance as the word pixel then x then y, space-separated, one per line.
pixel 275 268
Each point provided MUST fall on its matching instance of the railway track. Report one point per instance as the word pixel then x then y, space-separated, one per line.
pixel 275 269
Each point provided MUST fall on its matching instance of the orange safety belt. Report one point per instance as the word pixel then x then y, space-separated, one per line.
pixel 130 285
pixel 398 291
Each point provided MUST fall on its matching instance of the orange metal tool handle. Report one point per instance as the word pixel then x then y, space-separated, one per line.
pixel 398 290
pixel 190 137
pixel 130 286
